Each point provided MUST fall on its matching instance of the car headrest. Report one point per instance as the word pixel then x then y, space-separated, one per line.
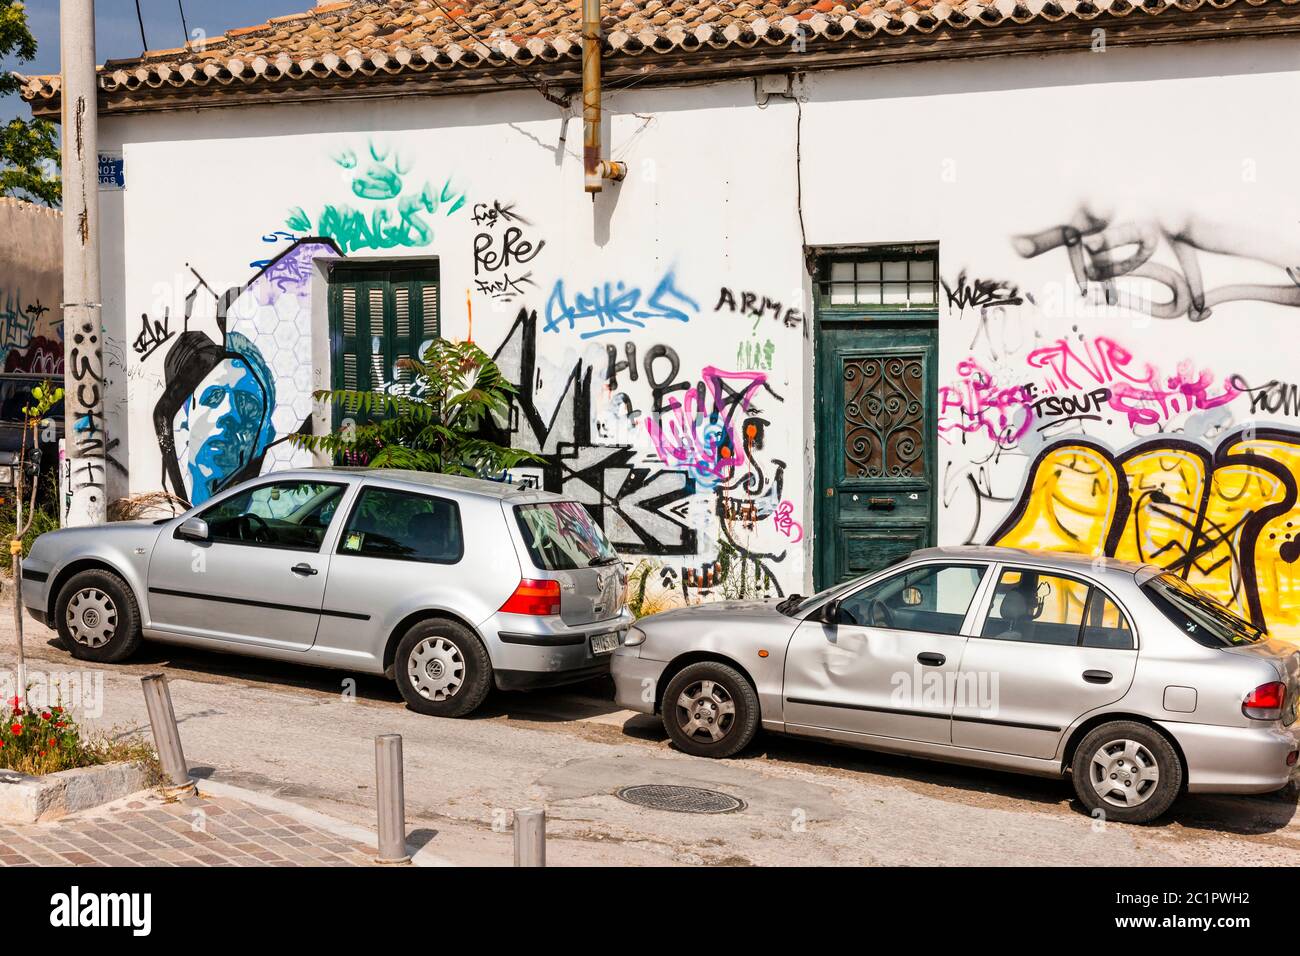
pixel 1015 606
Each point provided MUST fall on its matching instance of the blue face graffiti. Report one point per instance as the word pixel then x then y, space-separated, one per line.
pixel 224 415
pixel 227 422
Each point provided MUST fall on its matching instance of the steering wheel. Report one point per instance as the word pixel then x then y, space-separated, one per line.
pixel 878 614
pixel 261 532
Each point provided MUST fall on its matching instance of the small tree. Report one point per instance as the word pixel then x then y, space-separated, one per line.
pixel 436 426
pixel 44 398
pixel 29 149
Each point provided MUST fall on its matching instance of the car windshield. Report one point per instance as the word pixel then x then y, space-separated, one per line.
pixel 561 536
pixel 1198 615
pixel 796 605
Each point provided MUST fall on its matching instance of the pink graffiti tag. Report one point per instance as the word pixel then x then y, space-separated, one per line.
pixel 1134 388
pixel 786 524
pixel 700 439
pixel 977 404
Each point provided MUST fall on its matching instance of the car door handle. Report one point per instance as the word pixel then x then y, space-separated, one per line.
pixel 303 568
pixel 1098 677
pixel 931 659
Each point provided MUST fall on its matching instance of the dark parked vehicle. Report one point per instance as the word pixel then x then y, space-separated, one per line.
pixel 15 395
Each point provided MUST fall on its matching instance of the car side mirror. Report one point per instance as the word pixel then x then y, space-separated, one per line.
pixel 830 612
pixel 193 529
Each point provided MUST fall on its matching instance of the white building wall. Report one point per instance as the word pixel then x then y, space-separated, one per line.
pixel 1186 149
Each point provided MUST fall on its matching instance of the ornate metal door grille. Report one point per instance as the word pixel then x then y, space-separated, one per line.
pixel 884 417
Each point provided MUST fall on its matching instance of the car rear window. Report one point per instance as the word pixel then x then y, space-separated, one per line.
pixel 1198 615
pixel 561 536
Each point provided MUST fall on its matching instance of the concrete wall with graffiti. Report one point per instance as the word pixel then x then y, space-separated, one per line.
pixel 1120 262
pixel 1118 245
pixel 31 286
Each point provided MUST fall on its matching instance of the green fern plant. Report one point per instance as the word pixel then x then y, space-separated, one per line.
pixel 435 427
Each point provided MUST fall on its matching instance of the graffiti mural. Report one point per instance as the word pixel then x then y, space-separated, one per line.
pixel 392 211
pixel 674 469
pixel 31 335
pixel 1076 422
pixel 229 405
pixel 1227 520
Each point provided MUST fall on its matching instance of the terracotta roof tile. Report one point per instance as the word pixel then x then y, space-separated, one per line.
pixel 363 37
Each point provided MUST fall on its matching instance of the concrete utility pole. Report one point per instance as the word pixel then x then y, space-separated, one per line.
pixel 86 446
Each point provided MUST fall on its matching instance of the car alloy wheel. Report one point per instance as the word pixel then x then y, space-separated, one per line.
pixel 705 711
pixel 436 668
pixel 1124 773
pixel 91 617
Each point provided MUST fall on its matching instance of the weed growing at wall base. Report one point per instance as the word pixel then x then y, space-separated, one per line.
pixel 42 740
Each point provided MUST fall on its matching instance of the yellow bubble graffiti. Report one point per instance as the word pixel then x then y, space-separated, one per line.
pixel 1227 521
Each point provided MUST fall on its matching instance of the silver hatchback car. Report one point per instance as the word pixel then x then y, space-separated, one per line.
pixel 448 585
pixel 1126 678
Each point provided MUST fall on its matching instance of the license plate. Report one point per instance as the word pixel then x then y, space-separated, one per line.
pixel 604 643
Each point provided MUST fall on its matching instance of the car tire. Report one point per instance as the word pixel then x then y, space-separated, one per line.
pixel 1127 772
pixel 696 714
pixel 97 617
pixel 442 669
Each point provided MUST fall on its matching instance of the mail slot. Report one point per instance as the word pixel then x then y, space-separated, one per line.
pixel 882 504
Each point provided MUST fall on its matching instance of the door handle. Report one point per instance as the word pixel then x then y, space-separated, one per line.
pixel 303 568
pixel 1098 677
pixel 930 659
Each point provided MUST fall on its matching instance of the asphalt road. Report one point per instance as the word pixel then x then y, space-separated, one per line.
pixel 307 735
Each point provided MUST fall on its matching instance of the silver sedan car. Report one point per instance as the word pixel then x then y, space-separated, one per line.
pixel 447 585
pixel 1125 678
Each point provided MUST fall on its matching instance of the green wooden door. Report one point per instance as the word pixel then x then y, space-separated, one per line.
pixel 876 432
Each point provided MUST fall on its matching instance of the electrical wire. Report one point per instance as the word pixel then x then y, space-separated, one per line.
pixel 532 81
pixel 184 26
pixel 140 19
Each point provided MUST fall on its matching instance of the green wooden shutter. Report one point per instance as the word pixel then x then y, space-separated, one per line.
pixel 379 313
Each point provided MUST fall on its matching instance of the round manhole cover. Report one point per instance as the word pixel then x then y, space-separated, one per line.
pixel 680 799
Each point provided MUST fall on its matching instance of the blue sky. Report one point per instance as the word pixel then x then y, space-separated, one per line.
pixel 117 32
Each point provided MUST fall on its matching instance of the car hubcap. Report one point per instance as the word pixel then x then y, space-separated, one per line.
pixel 91 617
pixel 1124 773
pixel 705 710
pixel 436 668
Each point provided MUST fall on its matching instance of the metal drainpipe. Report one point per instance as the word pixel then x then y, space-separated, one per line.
pixel 595 169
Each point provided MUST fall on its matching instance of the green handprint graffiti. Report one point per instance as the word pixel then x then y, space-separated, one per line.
pixel 399 216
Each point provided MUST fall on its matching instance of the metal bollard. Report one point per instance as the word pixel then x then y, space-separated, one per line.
pixel 390 793
pixel 530 838
pixel 166 738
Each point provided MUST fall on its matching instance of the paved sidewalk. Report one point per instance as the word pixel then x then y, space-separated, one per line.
pixel 145 830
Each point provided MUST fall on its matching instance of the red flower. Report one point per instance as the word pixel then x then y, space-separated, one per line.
pixel 42 753
pixel 45 716
pixel 2 743
pixel 53 741
pixel 17 728
pixel 57 710
pixel 60 725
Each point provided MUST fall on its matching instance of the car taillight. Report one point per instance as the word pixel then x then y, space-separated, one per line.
pixel 1265 701
pixel 534 597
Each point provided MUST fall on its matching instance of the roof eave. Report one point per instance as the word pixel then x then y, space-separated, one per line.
pixel 706 63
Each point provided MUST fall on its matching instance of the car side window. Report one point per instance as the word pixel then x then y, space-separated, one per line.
pixel 1037 607
pixel 1104 624
pixel 933 598
pixel 283 514
pixel 404 525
